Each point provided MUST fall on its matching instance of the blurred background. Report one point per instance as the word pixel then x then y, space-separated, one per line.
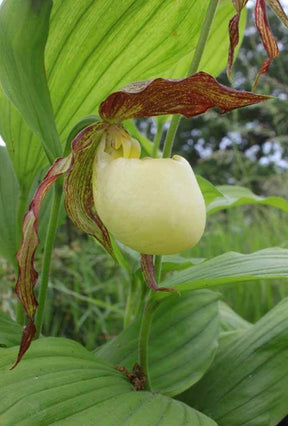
pixel 248 147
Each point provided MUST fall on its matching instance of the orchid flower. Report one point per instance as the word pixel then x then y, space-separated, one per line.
pixel 152 205
pixel 263 27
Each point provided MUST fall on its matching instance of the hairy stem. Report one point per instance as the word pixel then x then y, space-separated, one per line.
pixel 50 236
pixel 143 342
pixel 170 137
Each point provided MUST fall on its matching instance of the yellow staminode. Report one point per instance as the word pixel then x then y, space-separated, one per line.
pixel 154 206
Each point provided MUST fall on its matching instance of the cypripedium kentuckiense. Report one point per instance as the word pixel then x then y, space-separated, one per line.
pixel 153 205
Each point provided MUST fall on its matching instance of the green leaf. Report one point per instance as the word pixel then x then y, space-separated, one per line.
pixel 237 196
pixel 209 191
pixel 183 327
pixel 23 34
pixel 247 384
pixel 60 382
pixel 215 55
pixel 97 47
pixel 229 268
pixel 10 331
pixel 25 149
pixel 8 207
pixel 230 320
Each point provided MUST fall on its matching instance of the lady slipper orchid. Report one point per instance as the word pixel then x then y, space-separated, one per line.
pixel 152 205
pixel 263 27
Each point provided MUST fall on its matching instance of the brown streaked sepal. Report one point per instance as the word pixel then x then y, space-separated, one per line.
pixel 27 275
pixel 148 272
pixel 79 202
pixel 190 96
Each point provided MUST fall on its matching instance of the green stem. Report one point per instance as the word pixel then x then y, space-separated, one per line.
pixel 168 145
pixel 47 256
pixel 170 137
pixel 20 314
pixel 143 341
pixel 157 141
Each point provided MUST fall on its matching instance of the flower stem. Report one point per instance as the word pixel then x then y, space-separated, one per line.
pixel 157 141
pixel 143 341
pixel 50 236
pixel 170 137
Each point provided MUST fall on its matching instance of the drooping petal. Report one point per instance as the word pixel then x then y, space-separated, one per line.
pixel 189 96
pixel 148 272
pixel 278 9
pixel 268 40
pixel 28 275
pixel 234 32
pixel 78 191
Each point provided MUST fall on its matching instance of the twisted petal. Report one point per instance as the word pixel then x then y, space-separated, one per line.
pixel 148 272
pixel 278 9
pixel 234 32
pixel 27 276
pixel 268 40
pixel 79 204
pixel 189 96
pixel 79 201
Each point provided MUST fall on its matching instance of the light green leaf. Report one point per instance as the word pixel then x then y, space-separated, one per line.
pixel 23 34
pixel 60 382
pixel 25 149
pixel 215 56
pixel 229 268
pixel 209 191
pixel 10 331
pixel 230 320
pixel 176 262
pixel 97 47
pixel 8 207
pixel 183 327
pixel 247 384
pixel 237 196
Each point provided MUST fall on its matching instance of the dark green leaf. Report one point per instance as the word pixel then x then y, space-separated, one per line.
pixel 183 328
pixel 60 382
pixel 247 384
pixel 10 331
pixel 231 267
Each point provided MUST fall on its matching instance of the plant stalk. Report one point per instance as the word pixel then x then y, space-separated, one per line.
pixel 145 328
pixel 170 137
pixel 50 237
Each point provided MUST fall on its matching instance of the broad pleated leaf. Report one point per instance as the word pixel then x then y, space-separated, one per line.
pixel 190 96
pixel 60 382
pixel 247 383
pixel 231 267
pixel 230 320
pixel 25 149
pixel 10 331
pixel 23 35
pixel 8 207
pixel 237 196
pixel 182 344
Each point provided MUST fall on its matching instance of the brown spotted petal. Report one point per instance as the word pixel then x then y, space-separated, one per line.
pixel 189 96
pixel 148 272
pixel 268 40
pixel 79 201
pixel 27 274
pixel 234 32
